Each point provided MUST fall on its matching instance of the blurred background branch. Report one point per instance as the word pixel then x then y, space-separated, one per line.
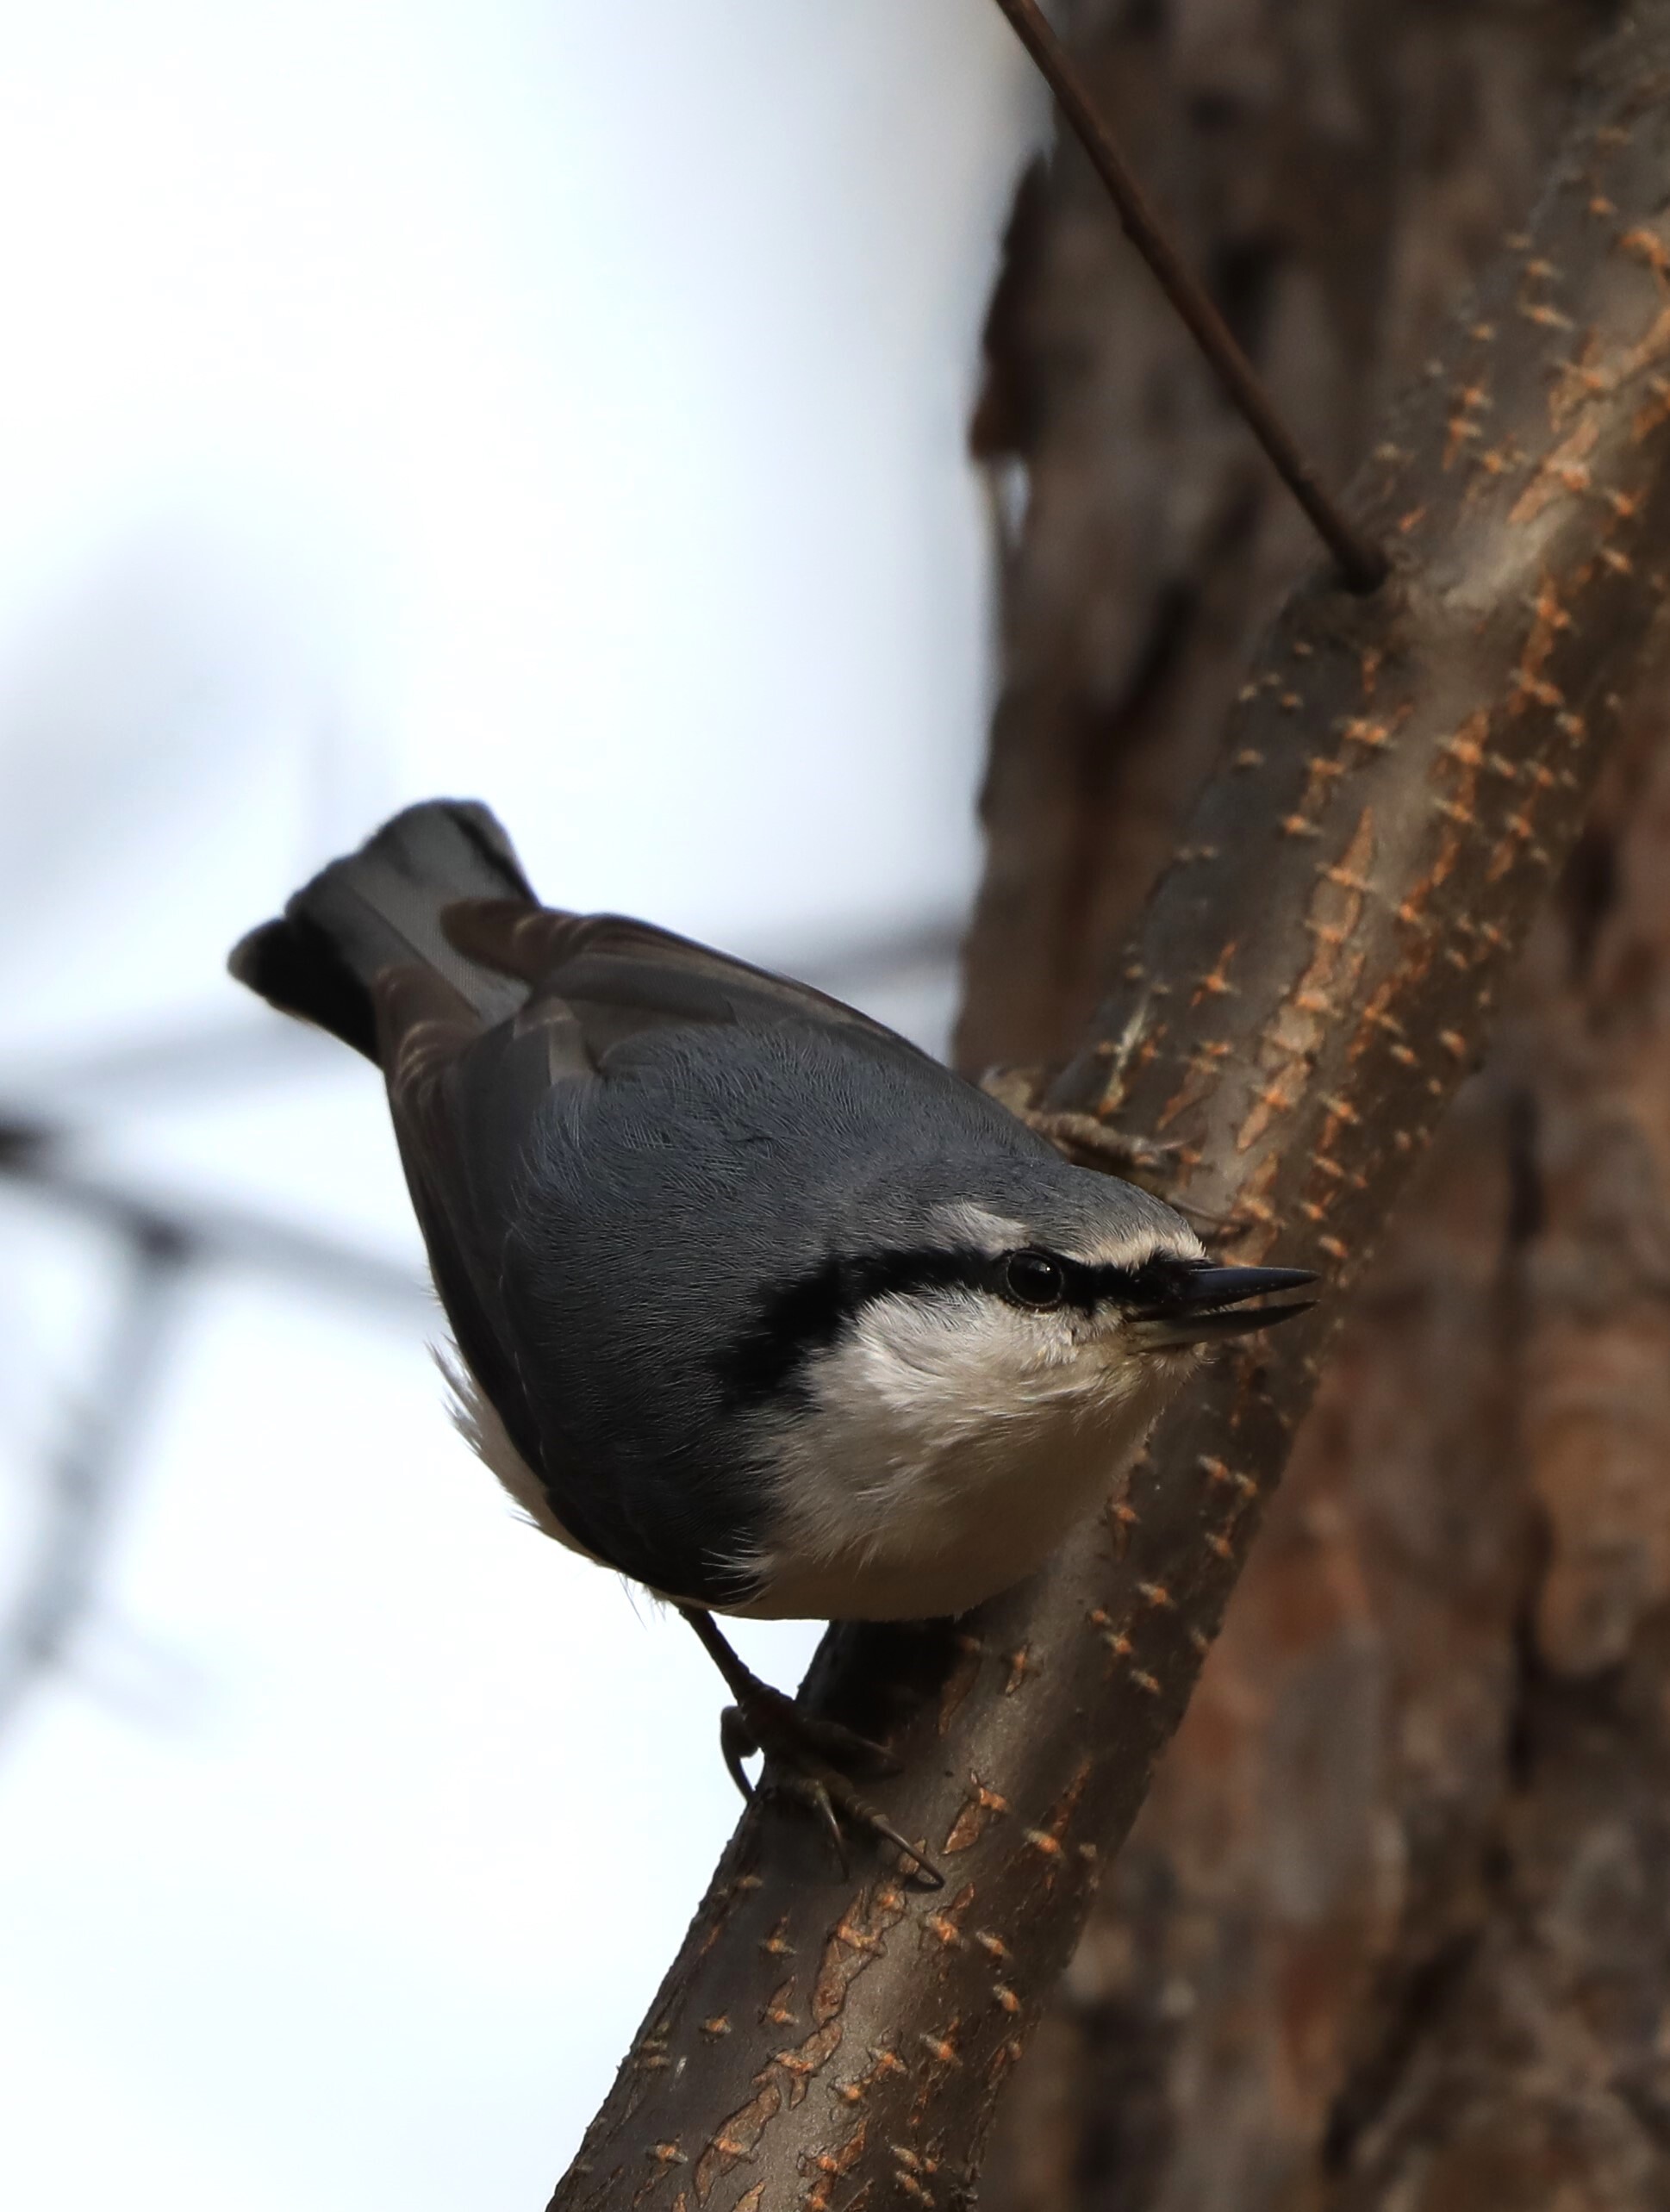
pixel 81 1476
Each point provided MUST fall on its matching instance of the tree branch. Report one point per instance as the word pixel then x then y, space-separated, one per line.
pixel 1362 565
pixel 1312 978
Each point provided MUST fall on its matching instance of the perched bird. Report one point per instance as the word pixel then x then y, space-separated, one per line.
pixel 752 1300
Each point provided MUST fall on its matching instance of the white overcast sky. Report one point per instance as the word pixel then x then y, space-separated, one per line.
pixel 561 403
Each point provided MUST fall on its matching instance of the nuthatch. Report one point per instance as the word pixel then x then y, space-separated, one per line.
pixel 753 1302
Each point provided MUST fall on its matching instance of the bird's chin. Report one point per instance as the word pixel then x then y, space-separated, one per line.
pixel 1173 1364
pixel 1153 1381
pixel 1136 1370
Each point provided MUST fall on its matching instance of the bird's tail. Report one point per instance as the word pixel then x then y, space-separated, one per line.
pixel 381 907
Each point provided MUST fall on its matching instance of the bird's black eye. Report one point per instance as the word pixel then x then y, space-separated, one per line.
pixel 1034 1279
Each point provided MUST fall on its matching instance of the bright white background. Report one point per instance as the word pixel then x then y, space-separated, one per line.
pixel 557 402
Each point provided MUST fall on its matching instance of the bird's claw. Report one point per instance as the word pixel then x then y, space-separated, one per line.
pixel 766 1721
pixel 737 1744
pixel 833 1798
pixel 807 1759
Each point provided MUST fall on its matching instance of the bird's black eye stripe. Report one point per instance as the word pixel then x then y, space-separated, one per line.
pixel 798 1317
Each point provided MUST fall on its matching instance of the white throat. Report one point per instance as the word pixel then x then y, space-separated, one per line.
pixel 951 1445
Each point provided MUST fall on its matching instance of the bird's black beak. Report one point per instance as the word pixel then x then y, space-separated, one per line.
pixel 1197 1304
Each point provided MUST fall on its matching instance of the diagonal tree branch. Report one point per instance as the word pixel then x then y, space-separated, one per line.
pixel 1362 565
pixel 1311 979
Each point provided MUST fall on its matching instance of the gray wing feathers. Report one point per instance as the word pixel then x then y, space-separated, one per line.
pixel 610 970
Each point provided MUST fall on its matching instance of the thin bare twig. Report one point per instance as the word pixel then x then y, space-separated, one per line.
pixel 1363 566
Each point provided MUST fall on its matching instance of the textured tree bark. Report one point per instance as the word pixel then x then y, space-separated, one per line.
pixel 1390 1927
pixel 1341 174
pixel 1306 990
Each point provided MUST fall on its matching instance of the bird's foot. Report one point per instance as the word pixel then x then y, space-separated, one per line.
pixel 811 1761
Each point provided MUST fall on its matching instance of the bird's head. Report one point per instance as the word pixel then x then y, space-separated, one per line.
pixel 1093 1286
pixel 938 1409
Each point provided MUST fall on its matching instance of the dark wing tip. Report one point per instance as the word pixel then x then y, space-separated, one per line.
pixel 293 966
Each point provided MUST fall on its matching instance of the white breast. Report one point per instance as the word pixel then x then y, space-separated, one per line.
pixel 950 1446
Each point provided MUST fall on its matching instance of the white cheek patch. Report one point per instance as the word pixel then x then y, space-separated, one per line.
pixel 960 1361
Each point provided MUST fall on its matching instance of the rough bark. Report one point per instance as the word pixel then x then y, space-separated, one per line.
pixel 1390 1927
pixel 1306 990
pixel 1340 174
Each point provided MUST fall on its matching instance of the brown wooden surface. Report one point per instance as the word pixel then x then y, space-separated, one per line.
pixel 1341 174
pixel 1390 1929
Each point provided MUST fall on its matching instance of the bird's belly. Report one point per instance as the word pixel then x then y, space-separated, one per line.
pixel 938 1537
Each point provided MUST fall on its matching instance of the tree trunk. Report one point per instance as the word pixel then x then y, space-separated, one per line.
pixel 1392 1927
